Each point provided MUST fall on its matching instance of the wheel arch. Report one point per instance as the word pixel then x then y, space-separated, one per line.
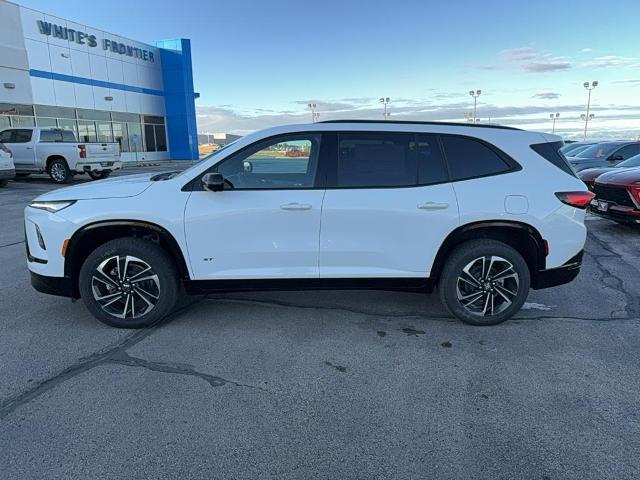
pixel 86 239
pixel 51 158
pixel 521 236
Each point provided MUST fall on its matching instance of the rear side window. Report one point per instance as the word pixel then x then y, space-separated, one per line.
pixel 68 136
pixel 431 166
pixel 371 159
pixel 551 152
pixel 469 158
pixel 51 135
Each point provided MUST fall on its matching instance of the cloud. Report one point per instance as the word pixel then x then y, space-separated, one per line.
pixel 517 54
pixel 548 66
pixel 529 60
pixel 586 50
pixel 610 61
pixel 546 96
pixel 627 81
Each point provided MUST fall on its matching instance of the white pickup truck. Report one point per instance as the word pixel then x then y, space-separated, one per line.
pixel 57 152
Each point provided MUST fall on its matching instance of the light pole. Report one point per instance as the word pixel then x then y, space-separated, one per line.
pixel 385 101
pixel 468 116
pixel 586 117
pixel 314 115
pixel 554 118
pixel 475 96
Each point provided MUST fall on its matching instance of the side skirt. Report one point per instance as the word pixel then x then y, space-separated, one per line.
pixel 199 287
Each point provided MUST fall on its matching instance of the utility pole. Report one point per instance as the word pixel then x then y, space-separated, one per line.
pixel 588 117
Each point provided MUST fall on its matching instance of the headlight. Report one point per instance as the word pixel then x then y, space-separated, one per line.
pixel 52 207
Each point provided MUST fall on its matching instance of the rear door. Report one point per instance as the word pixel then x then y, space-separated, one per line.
pixel 387 208
pixel 19 141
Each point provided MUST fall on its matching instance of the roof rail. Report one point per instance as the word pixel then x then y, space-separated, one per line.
pixel 409 122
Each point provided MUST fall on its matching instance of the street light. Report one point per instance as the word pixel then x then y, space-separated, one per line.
pixel 385 101
pixel 475 96
pixel 554 118
pixel 586 117
pixel 314 115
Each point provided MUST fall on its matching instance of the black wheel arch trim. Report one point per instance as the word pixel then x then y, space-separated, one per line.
pixel 71 269
pixel 460 234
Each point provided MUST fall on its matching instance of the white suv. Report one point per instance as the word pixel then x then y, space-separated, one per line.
pixel 481 212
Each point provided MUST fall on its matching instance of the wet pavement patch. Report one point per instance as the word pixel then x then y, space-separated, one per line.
pixel 381 333
pixel 339 368
pixel 412 332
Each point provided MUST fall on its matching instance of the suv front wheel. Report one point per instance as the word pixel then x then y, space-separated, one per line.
pixel 484 282
pixel 129 283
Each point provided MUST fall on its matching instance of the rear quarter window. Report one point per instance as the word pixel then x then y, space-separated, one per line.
pixel 469 158
pixel 551 152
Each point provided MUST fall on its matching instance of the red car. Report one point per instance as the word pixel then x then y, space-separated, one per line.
pixel 618 195
pixel 589 175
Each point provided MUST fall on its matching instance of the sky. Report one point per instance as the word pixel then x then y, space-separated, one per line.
pixel 258 63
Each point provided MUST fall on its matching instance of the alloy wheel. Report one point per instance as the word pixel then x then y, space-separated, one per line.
pixel 125 286
pixel 487 286
pixel 58 173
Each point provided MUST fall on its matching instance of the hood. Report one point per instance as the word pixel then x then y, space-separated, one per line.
pixel 622 176
pixel 591 173
pixel 119 187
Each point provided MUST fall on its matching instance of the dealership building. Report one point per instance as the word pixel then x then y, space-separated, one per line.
pixel 106 88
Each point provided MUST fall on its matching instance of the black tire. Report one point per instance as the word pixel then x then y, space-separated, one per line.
pixel 479 289
pixel 3 183
pixel 100 175
pixel 59 171
pixel 125 293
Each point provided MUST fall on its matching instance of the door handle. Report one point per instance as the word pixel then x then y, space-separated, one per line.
pixel 433 206
pixel 28 148
pixel 295 206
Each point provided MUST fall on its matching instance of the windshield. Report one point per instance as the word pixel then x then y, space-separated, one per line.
pixel 630 162
pixel 212 154
pixel 575 151
pixel 598 151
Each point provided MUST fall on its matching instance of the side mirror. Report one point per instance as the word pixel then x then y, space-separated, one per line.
pixel 615 158
pixel 248 166
pixel 214 182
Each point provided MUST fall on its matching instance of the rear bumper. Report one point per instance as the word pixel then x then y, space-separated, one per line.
pixel 7 173
pixel 59 286
pixel 98 166
pixel 552 277
pixel 618 213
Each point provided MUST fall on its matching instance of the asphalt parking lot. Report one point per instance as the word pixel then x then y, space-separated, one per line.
pixel 331 385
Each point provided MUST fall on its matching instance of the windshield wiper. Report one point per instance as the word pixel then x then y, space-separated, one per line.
pixel 165 175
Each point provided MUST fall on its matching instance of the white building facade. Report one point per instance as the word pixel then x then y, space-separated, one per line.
pixel 58 73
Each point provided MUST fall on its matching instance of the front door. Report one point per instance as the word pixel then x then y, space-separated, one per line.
pixel 266 223
pixel 388 206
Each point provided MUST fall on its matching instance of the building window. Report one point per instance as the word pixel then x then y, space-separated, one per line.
pixel 121 136
pixel 46 122
pixel 161 138
pixel 104 132
pixel 87 131
pixel 149 138
pixel 68 124
pixel 135 137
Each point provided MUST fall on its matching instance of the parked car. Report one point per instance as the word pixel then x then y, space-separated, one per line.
pixel 589 175
pixel 57 152
pixel 605 154
pixel 572 149
pixel 618 196
pixel 7 169
pixel 482 212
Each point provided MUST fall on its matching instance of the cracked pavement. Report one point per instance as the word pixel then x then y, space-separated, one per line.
pixel 293 385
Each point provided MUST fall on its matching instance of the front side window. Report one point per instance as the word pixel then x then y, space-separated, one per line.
pixel 5 136
pixel 21 136
pixel 469 158
pixel 376 159
pixel 287 162
pixel 627 152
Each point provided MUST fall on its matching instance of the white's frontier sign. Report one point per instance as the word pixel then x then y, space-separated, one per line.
pixel 83 38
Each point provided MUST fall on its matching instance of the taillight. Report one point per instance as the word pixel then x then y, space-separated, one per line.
pixel 83 151
pixel 576 199
pixel 635 193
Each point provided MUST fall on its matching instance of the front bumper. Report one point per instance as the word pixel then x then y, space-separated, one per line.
pixel 60 286
pixel 552 277
pixel 7 173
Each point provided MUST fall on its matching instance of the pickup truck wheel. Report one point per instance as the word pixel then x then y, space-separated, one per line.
pixel 129 283
pixel 100 175
pixel 484 282
pixel 59 171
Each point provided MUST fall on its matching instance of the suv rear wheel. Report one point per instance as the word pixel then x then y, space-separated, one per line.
pixel 484 282
pixel 129 283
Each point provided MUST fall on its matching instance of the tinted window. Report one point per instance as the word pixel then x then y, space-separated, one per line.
pixel 21 136
pixel 5 136
pixel 553 153
pixel 469 158
pixel 51 135
pixel 599 150
pixel 431 167
pixel 628 151
pixel 281 163
pixel 376 160
pixel 68 136
pixel 632 162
